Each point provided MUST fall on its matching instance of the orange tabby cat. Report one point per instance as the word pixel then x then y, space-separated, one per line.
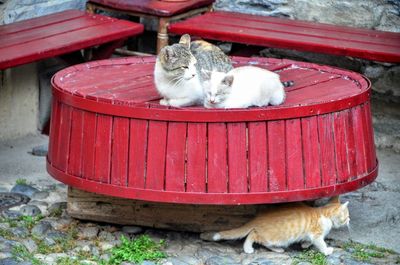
pixel 287 224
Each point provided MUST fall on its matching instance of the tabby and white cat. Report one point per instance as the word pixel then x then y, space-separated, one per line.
pixel 178 71
pixel 287 224
pixel 243 87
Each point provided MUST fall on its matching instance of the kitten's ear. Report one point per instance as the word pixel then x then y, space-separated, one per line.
pixel 185 40
pixel 344 205
pixel 228 80
pixel 168 54
pixel 206 74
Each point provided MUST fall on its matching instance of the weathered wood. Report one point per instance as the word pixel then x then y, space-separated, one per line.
pixel 182 217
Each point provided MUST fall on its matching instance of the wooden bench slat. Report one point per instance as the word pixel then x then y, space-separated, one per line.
pixel 297 35
pixel 40 21
pixel 305 24
pixel 45 31
pixel 294 29
pixel 72 38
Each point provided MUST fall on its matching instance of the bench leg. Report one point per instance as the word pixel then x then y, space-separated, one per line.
pixel 90 8
pixel 106 50
pixel 162 34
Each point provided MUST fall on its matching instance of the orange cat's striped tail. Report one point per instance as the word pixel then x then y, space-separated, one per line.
pixel 236 233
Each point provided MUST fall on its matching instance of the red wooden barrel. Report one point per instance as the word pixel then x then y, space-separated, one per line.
pixel 109 135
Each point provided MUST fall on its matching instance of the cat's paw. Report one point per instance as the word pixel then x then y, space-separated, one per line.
pixel 277 250
pixel 164 102
pixel 328 251
pixel 210 236
pixel 248 249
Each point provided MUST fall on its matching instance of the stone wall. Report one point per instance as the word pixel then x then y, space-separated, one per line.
pixel 371 14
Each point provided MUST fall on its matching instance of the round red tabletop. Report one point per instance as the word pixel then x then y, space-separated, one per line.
pixel 109 135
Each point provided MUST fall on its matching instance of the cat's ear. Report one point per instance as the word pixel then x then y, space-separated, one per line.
pixel 168 54
pixel 228 80
pixel 206 74
pixel 185 40
pixel 344 205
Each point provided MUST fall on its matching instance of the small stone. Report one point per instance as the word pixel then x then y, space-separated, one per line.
pixel 261 261
pixel 41 229
pixel 147 262
pixel 86 248
pixel 9 261
pixel 30 210
pixel 304 263
pixel 38 203
pixel 40 195
pixel 131 229
pixel 20 231
pixel 57 206
pixel 3 189
pixel 4 226
pixel 11 214
pixel 107 236
pixel 30 245
pixel 176 261
pixel 89 232
pixel 189 259
pixel 105 246
pixel 4 255
pixel 24 189
pixel 56 235
pixel 49 241
pixel 40 150
pixel 220 260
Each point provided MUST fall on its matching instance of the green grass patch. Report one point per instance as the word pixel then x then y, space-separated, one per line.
pixel 30 221
pixel 20 253
pixel 363 252
pixel 311 256
pixel 137 250
pixel 21 182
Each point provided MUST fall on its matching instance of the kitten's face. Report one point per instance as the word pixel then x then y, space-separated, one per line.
pixel 178 62
pixel 217 87
pixel 342 217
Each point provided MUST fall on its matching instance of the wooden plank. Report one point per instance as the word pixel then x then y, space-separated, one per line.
pixel 54 130
pixel 88 148
pixel 120 152
pixel 237 157
pixel 294 155
pixel 102 167
pixel 176 157
pixel 180 217
pixel 360 148
pixel 217 166
pixel 61 161
pixel 137 153
pixel 258 156
pixel 350 140
pixel 341 157
pixel 157 144
pixel 66 42
pixel 76 144
pixel 276 156
pixel 292 38
pixel 46 31
pixel 327 149
pixel 312 170
pixel 368 131
pixel 196 157
pixel 41 21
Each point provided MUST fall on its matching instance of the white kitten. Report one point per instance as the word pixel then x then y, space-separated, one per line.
pixel 243 87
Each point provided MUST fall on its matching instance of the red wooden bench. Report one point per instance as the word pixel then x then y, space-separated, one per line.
pixel 62 33
pixel 293 34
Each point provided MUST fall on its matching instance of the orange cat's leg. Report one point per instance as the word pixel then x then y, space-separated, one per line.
pixel 306 244
pixel 276 249
pixel 320 244
pixel 248 243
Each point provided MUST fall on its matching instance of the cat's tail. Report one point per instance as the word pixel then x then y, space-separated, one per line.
pixel 288 83
pixel 236 233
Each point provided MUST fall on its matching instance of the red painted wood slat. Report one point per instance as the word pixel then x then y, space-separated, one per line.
pixel 102 169
pixel 155 168
pixel 277 155
pixel 297 35
pixel 327 149
pixel 237 157
pixel 258 157
pixel 88 148
pixel 176 157
pixel 350 143
pixel 341 156
pixel 361 151
pixel 312 171
pixel 63 145
pixel 294 155
pixel 120 152
pixel 75 152
pixel 137 153
pixel 217 166
pixel 196 157
pixel 54 130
